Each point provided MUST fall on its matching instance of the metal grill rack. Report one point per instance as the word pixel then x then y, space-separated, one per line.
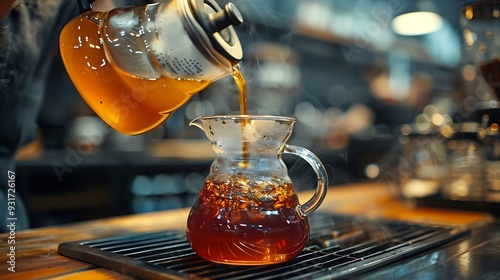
pixel 339 247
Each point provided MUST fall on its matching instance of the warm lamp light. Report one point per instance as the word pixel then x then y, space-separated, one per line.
pixel 417 23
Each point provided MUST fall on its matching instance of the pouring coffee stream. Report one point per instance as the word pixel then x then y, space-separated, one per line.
pixel 134 66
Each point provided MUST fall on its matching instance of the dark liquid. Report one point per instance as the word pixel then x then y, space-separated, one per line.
pixel 490 71
pixel 228 225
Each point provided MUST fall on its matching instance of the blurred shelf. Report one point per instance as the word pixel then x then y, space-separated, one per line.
pixel 183 149
pixel 62 186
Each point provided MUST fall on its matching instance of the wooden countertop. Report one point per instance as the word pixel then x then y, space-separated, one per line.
pixel 36 254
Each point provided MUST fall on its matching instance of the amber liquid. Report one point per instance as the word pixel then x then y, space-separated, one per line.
pixel 242 91
pixel 129 104
pixel 228 225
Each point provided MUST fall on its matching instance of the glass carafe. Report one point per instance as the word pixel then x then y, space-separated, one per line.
pixel 134 66
pixel 247 212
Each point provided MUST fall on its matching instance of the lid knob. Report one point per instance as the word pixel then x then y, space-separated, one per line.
pixel 230 15
pixel 217 24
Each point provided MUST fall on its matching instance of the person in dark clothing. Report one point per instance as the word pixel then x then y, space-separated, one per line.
pixel 29 30
pixel 29 34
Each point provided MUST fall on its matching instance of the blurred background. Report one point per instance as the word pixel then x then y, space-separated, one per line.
pixel 365 86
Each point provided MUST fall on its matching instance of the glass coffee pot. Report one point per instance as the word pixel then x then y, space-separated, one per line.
pixel 247 212
pixel 134 66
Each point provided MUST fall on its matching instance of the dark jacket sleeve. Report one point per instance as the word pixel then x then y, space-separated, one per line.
pixel 28 35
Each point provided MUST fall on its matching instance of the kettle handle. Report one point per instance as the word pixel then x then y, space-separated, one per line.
pixel 84 5
pixel 322 184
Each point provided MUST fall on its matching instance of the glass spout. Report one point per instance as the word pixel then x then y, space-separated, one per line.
pixel 197 122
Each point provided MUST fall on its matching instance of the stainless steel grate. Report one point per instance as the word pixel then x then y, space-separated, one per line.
pixel 339 247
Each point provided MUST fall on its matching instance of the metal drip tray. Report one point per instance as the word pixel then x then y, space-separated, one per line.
pixel 339 247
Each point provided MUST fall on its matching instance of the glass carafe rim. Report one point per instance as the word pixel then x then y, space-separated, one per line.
pixel 250 117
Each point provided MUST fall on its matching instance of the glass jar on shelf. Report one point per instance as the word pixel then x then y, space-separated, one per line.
pixel 466 178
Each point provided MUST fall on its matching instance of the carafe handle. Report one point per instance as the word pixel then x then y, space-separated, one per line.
pixel 318 167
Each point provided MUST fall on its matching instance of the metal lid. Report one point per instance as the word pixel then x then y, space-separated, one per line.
pixel 218 26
